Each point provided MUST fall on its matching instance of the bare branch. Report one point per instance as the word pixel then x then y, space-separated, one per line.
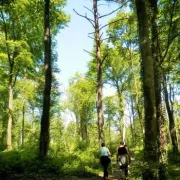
pixel 91 37
pixel 107 25
pixel 101 36
pixel 112 11
pixel 90 20
pixel 89 53
pixel 15 78
pixel 101 41
pixel 89 9
pixel 91 33
pixel 106 38
pixel 102 5
pixel 170 28
pixel 111 23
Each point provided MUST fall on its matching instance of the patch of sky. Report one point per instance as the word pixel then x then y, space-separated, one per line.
pixel 73 39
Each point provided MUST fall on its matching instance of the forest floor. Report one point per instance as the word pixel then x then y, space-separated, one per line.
pixel 135 173
pixel 114 174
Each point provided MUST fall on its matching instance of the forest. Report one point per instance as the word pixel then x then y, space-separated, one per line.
pixel 139 58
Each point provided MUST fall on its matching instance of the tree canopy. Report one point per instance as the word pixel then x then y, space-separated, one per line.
pixel 50 133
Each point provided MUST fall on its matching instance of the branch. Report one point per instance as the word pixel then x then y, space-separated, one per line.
pixel 15 78
pixel 91 37
pixel 107 38
pixel 101 36
pixel 89 53
pixel 169 31
pixel 111 23
pixel 89 9
pixel 91 33
pixel 112 11
pixel 104 58
pixel 6 37
pixel 102 5
pixel 90 20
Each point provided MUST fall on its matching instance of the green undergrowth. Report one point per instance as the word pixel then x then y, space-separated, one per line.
pixel 81 163
pixel 137 166
pixel 174 165
pixel 24 164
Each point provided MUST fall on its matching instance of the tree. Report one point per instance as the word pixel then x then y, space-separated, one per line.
pixel 99 73
pixel 123 35
pixel 97 37
pixel 110 109
pixel 148 84
pixel 168 57
pixel 45 119
pixel 3 106
pixel 117 73
pixel 17 51
pixel 158 80
pixel 81 101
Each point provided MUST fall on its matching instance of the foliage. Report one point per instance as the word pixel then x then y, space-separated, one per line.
pixel 16 163
pixel 74 145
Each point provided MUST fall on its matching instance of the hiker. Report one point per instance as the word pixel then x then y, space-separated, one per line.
pixel 123 157
pixel 104 159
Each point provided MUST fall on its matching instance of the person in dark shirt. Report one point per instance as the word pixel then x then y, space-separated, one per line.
pixel 123 150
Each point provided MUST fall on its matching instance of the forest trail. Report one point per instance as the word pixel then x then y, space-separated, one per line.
pixel 114 174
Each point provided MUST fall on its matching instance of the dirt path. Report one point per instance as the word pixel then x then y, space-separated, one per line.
pixel 114 174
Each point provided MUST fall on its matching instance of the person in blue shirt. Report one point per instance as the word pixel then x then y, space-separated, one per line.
pixel 104 159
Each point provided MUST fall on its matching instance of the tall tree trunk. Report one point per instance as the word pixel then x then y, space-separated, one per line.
pixel 150 149
pixel 120 108
pixel 109 126
pixel 78 121
pixel 132 121
pixel 22 131
pixel 83 127
pixel 137 104
pixel 11 85
pixel 45 119
pixel 4 131
pixel 99 75
pixel 158 79
pixel 134 138
pixel 10 112
pixel 136 93
pixel 172 128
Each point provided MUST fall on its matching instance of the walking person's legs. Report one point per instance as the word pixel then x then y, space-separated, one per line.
pixel 126 170
pixel 105 171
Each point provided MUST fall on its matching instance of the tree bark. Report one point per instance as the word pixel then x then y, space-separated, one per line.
pixel 10 111
pixel 4 131
pixel 150 149
pixel 23 120
pixel 120 108
pixel 172 128
pixel 161 134
pixel 99 75
pixel 83 127
pixel 136 96
pixel 45 119
pixel 158 79
pixel 10 95
pixel 132 121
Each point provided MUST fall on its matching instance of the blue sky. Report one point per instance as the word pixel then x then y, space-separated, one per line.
pixel 74 38
pixel 71 42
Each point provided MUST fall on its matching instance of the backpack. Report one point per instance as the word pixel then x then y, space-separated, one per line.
pixel 123 160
